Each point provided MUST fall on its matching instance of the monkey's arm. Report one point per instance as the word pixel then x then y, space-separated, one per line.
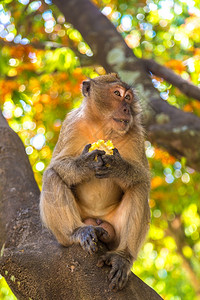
pixel 73 170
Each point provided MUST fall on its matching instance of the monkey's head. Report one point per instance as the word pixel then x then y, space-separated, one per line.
pixel 112 101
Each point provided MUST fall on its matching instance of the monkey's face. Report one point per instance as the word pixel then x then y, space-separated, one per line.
pixel 121 104
pixel 111 102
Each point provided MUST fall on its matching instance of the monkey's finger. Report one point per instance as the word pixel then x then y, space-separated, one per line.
pixel 89 248
pixel 90 245
pixel 114 270
pixel 92 248
pixel 100 169
pixel 101 232
pixel 100 152
pixel 115 151
pixel 101 176
pixel 102 172
pixel 99 161
pixel 102 261
pixel 112 286
pixel 105 238
pixel 93 237
pixel 108 159
pixel 123 280
pixel 86 148
pixel 90 234
pixel 95 153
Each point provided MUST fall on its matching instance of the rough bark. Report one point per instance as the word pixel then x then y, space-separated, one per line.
pixel 33 263
pixel 176 131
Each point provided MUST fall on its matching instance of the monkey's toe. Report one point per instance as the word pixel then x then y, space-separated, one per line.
pixel 120 269
pixel 118 279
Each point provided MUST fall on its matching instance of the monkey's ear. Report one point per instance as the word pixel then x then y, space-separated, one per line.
pixel 115 75
pixel 86 88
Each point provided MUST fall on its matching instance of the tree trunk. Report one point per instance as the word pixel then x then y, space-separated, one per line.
pixel 33 263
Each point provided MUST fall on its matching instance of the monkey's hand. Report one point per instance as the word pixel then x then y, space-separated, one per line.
pixel 113 166
pixel 87 159
pixel 87 237
pixel 120 269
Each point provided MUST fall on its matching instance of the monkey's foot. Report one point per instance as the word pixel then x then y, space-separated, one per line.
pixel 120 269
pixel 88 236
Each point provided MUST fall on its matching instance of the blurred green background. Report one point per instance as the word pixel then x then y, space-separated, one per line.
pixel 40 77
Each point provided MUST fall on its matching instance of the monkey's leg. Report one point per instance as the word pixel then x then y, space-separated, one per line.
pixel 58 208
pixel 131 222
pixel 60 213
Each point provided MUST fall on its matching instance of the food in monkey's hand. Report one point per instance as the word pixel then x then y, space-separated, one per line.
pixel 107 239
pixel 102 145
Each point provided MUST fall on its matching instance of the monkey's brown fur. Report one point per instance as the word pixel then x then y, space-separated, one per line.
pixel 114 188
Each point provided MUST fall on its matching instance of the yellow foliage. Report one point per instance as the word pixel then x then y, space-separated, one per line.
pixel 156 181
pixel 188 108
pixel 165 157
pixel 45 98
pixel 176 65
pixel 187 251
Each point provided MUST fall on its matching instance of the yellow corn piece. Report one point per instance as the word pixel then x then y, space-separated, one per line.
pixel 102 145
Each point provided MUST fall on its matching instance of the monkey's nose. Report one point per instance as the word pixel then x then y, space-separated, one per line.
pixel 126 110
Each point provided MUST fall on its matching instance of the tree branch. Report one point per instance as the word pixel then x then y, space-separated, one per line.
pixel 32 262
pixel 183 85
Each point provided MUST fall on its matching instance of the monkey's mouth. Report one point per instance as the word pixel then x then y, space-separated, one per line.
pixel 122 121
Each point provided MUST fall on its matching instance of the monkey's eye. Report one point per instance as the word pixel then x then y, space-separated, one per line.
pixel 127 97
pixel 117 93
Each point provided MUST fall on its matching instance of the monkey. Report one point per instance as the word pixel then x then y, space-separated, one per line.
pixel 84 199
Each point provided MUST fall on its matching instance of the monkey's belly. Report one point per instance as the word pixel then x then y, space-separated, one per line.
pixel 98 197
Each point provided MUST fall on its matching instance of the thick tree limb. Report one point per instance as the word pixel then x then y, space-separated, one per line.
pixel 176 131
pixel 33 263
pixel 183 85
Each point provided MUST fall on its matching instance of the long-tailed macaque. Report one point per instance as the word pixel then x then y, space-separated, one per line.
pixel 84 199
